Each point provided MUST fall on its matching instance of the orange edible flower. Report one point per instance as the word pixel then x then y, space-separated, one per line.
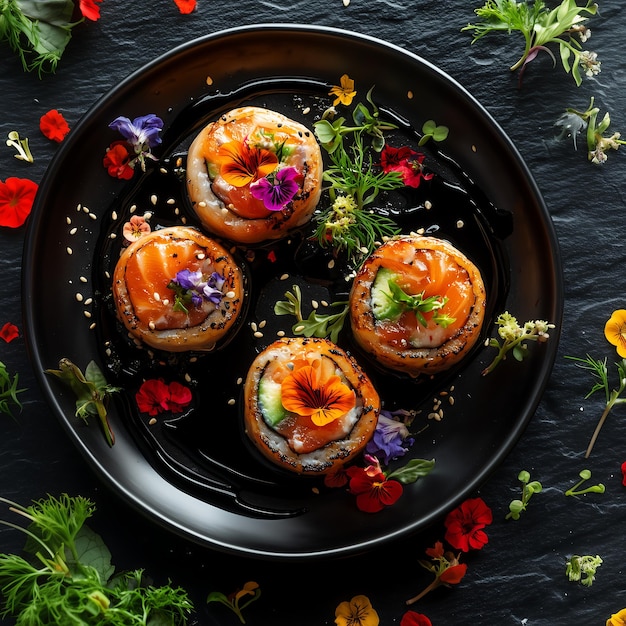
pixel 344 92
pixel 615 331
pixel 358 612
pixel 617 619
pixel 313 390
pixel 185 6
pixel 242 164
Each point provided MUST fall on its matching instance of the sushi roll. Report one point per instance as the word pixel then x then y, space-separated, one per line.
pixel 309 407
pixel 177 290
pixel 417 305
pixel 254 175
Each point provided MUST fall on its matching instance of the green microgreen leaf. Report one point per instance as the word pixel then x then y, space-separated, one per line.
pixel 584 475
pixel 583 568
pixel 316 324
pixel 239 600
pixel 529 487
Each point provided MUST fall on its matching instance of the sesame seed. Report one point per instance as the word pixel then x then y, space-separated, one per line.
pixel 68 250
pixel 409 95
pixel 202 204
pixel 114 215
pixel 85 209
pixel 239 380
pixel 315 304
pixel 280 333
pixel 231 402
pixel 200 256
pixel 93 216
pixel 133 208
pixel 152 421
pixel 151 325
pixel 162 170
pixel 230 294
pixel 253 326
pixel 179 162
pixel 153 199
pixel 73 230
pixel 79 297
pixel 108 351
pixel 299 329
pixel 209 80
pixel 184 220
pixel 107 274
pixel 428 205
pixel 331 264
pixel 92 326
pixel 166 301
pixel 171 201
pixel 68 220
pixel 451 400
pixel 87 314
pixel 88 301
pixel 224 211
pixel 258 334
pixel 113 236
pixel 79 207
pixel 306 110
pixel 187 377
pixel 474 149
pixel 147 215
pixel 82 279
pixel 284 277
pixel 156 296
pixel 262 323
pixel 459 224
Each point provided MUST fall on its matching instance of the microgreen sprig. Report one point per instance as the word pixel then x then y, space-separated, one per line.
pixel 251 592
pixel 583 568
pixel 573 122
pixel 584 475
pixel 430 130
pixel 92 392
pixel 316 325
pixel 514 338
pixel 8 391
pixel 540 27
pixel 516 507
pixel 418 304
pixel 600 372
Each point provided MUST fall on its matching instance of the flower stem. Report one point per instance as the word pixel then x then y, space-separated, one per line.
pixel 428 589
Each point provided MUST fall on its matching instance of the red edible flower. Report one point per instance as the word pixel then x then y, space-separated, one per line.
pixel 9 332
pixel 16 200
pixel 53 125
pixel 372 489
pixel 464 525
pixel 624 473
pixel 336 478
pixel 90 9
pixel 117 159
pixel 155 396
pixel 185 6
pixel 405 161
pixel 411 618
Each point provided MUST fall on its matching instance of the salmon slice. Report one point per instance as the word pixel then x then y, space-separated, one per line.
pixel 432 267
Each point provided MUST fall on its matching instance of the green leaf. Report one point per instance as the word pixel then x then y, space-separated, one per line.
pixel 92 551
pixel 414 469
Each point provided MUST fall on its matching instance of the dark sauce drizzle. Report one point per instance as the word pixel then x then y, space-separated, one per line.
pixel 204 450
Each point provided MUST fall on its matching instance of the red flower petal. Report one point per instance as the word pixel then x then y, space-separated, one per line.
pixel 16 200
pixel 624 473
pixel 373 493
pixel 185 6
pixel 411 618
pixel 9 332
pixel 336 478
pixel 454 574
pixel 152 397
pixel 116 160
pixel 54 126
pixel 90 9
pixel 436 551
pixel 464 525
pixel 179 397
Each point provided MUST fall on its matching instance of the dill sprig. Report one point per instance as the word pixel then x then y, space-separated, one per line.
pixel 8 391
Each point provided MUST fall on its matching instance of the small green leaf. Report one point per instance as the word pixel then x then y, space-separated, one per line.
pixel 414 469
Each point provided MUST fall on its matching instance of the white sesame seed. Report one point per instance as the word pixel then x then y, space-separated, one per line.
pixel 152 421
pixel 281 333
pixel 331 264
pixel 147 215
pixel 230 294
pixel 92 326
pixel 79 207
pixel 451 400
pixel 93 216
pixel 113 236
pixel 79 297
pixel 258 334
pixel 68 250
pixel 73 231
pixel 114 215
pixel 306 110
pixel 284 277
pixel 187 377
pixel 107 274
pixel 68 220
pixel 156 296
pixel 88 301
pixel 315 304
pixel 239 380
pixel 171 201
pixel 85 209
pixel 82 279
pixel 253 326
pixel 200 256
pixel 262 323
pixel 153 199
pixel 231 401
pixel 151 325
pixel 133 208
pixel 428 205
pixel 459 224
pixel 202 204
pixel 299 329
pixel 87 314
pixel 166 301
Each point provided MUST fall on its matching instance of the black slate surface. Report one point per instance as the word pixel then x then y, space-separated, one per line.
pixel 519 577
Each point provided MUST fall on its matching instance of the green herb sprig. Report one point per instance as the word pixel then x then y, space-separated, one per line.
pixel 69 574
pixel 600 372
pixel 92 392
pixel 418 304
pixel 584 475
pixel 38 32
pixel 529 487
pixel 9 391
pixel 541 27
pixel 583 569
pixel 316 325
pixel 514 338
pixel 354 181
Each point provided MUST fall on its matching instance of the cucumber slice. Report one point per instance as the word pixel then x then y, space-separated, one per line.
pixel 384 307
pixel 270 401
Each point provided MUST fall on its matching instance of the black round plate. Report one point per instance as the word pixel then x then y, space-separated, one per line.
pixel 241 506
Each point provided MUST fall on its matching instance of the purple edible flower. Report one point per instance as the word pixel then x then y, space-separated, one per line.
pixel 391 438
pixel 188 279
pixel 142 132
pixel 279 191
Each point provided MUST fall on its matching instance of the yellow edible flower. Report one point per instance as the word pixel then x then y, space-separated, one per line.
pixel 615 331
pixel 357 612
pixel 344 92
pixel 617 619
